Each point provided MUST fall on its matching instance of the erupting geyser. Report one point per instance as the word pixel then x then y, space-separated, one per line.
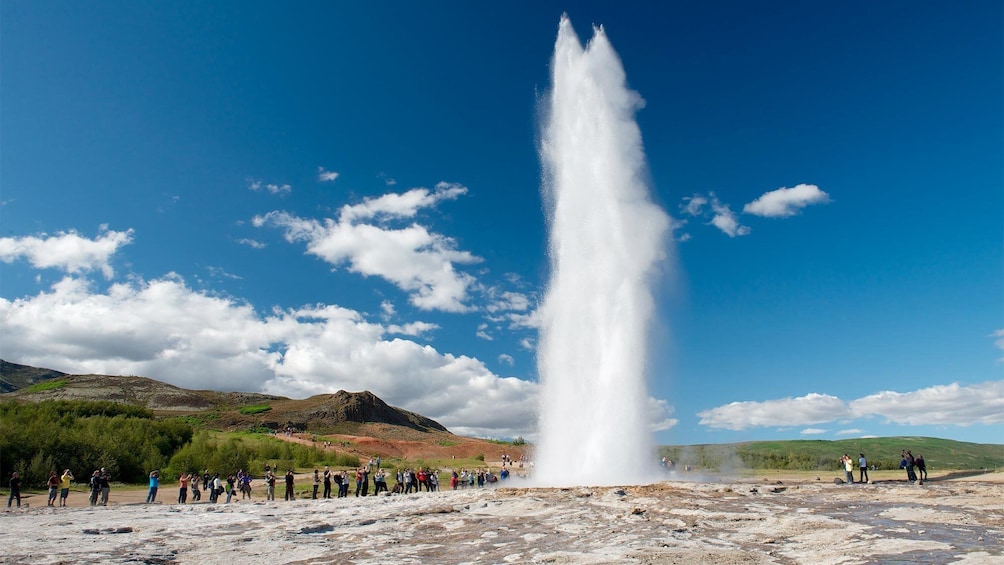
pixel 607 239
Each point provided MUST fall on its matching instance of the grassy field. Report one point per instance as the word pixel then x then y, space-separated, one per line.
pixel 819 455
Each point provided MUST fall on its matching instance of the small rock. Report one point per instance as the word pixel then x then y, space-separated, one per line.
pixel 838 481
pixel 637 512
pixel 620 492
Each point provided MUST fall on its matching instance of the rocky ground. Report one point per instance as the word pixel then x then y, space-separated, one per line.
pixel 755 521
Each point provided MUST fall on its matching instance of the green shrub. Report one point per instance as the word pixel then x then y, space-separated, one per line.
pixel 36 438
pixel 255 409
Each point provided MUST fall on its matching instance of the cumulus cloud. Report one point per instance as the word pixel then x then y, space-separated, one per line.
pixel 660 415
pixel 165 330
pixel 415 259
pixel 786 201
pixel 812 408
pixel 952 404
pixel 505 359
pixel 68 251
pixel 813 431
pixel 326 176
pixel 725 219
pixel 851 432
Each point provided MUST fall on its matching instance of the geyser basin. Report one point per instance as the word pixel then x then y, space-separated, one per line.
pixel 607 240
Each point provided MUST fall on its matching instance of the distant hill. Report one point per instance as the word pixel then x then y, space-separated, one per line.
pixel 883 452
pixel 14 377
pixel 219 410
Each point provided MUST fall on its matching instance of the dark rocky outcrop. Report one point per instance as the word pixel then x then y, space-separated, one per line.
pixel 15 377
pixel 362 407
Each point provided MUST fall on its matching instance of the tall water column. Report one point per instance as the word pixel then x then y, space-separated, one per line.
pixel 607 240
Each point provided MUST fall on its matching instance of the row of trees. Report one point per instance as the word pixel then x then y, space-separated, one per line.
pixel 227 453
pixel 36 438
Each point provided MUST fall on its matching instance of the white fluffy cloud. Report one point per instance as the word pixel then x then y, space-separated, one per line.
pixel 786 201
pixel 68 251
pixel 165 330
pixel 776 204
pixel 952 404
pixel 659 414
pixel 943 404
pixel 805 410
pixel 725 219
pixel 711 208
pixel 415 259
pixel 812 431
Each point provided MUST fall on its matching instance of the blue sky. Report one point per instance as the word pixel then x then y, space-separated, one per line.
pixel 347 196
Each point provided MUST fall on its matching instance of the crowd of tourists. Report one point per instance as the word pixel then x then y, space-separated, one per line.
pixel 368 480
pixel 916 467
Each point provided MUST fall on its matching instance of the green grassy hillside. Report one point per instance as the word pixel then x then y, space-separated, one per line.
pixel 822 454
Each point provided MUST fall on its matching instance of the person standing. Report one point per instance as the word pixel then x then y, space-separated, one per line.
pixel 53 484
pixel 196 494
pixel 289 485
pixel 95 485
pixel 15 489
pixel 379 482
pixel 921 467
pixel 154 485
pixel 343 484
pixel 863 467
pixel 106 486
pixel 269 486
pixel 848 466
pixel 217 488
pixel 64 486
pixel 183 488
pixel 908 463
pixel 327 482
pixel 317 484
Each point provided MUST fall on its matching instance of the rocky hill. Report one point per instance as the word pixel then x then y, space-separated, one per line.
pixel 224 410
pixel 14 377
